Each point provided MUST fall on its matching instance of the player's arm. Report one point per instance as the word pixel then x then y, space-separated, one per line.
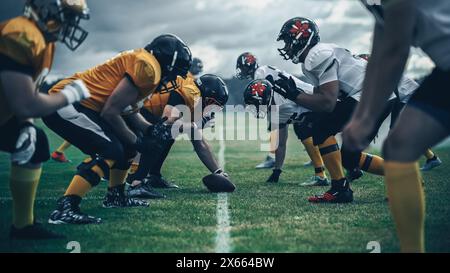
pixel 325 95
pixel 25 102
pixel 389 55
pixel 138 122
pixel 390 52
pixel 323 100
pixel 126 93
pixel 203 150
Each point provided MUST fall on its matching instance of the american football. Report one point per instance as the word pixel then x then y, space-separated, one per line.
pixel 218 183
pixel 258 128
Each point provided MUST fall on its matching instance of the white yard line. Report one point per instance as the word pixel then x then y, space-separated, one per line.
pixel 223 241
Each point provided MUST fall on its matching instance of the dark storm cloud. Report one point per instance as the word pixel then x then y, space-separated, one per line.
pixel 217 31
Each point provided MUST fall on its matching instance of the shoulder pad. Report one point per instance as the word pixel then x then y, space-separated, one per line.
pixel 318 55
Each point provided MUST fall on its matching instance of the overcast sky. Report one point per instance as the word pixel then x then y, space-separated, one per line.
pixel 217 31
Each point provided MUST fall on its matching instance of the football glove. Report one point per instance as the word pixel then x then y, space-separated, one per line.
pixel 220 172
pixel 286 87
pixel 159 130
pixel 25 144
pixel 148 145
pixel 75 91
pixel 275 176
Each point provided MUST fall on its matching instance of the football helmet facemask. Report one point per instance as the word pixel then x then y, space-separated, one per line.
pixel 258 97
pixel 297 34
pixel 246 66
pixel 59 20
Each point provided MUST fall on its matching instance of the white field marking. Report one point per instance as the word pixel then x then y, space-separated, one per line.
pixel 223 244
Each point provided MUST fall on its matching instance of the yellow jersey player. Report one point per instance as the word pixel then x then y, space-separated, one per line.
pixel 27 46
pixel 197 97
pixel 96 126
pixel 424 122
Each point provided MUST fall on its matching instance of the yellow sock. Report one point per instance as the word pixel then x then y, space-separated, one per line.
pixel 78 186
pixel 314 154
pixel 429 154
pixel 134 167
pixel 117 177
pixel 332 158
pixel 372 164
pixel 407 203
pixel 23 183
pixel 63 147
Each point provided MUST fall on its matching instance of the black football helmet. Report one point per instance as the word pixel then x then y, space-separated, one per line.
pixel 196 67
pixel 174 57
pixel 258 97
pixel 246 66
pixel 213 89
pixel 297 34
pixel 59 20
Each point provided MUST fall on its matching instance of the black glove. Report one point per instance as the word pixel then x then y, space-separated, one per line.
pixel 159 130
pixel 286 87
pixel 275 176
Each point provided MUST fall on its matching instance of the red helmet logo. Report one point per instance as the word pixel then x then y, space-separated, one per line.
pixel 301 29
pixel 249 59
pixel 258 89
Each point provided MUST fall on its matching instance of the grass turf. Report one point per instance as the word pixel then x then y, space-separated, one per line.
pixel 264 217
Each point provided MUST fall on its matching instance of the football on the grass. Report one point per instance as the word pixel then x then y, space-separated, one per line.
pixel 218 183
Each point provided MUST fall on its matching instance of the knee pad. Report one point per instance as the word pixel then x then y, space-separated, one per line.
pixel 42 152
pixel 86 171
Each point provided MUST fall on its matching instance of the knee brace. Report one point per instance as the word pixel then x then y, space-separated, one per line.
pixel 86 170
pixel 42 152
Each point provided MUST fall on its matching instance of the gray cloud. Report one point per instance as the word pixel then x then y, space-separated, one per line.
pixel 217 31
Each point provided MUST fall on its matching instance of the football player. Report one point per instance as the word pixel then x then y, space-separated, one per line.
pixel 205 95
pixel 403 94
pixel 194 72
pixel 27 47
pixel 96 127
pixel 399 25
pixel 247 68
pixel 338 77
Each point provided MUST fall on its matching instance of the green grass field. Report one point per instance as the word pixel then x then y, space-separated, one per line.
pixel 263 217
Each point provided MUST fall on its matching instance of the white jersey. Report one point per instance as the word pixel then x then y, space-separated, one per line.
pixel 432 29
pixel 288 111
pixel 328 62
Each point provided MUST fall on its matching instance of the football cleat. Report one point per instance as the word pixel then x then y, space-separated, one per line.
pixel 316 181
pixel 431 164
pixel 116 198
pixel 269 162
pixel 337 194
pixel 60 157
pixel 157 181
pixel 143 190
pixel 33 232
pixel 68 212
